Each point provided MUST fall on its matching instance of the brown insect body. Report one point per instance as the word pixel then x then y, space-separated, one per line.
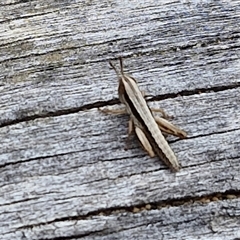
pixel 146 127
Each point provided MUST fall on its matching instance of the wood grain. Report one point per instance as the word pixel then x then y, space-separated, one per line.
pixel 65 172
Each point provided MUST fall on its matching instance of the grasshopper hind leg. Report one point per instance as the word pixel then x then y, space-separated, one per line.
pixel 168 128
pixel 144 141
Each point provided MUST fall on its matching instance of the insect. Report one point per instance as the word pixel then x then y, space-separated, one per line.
pixel 147 127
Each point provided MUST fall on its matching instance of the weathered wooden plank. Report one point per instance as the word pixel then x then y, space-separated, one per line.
pixel 94 131
pixel 59 61
pixel 90 171
pixel 215 220
pixel 64 172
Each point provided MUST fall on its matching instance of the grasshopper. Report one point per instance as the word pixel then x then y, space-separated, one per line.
pixel 147 127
